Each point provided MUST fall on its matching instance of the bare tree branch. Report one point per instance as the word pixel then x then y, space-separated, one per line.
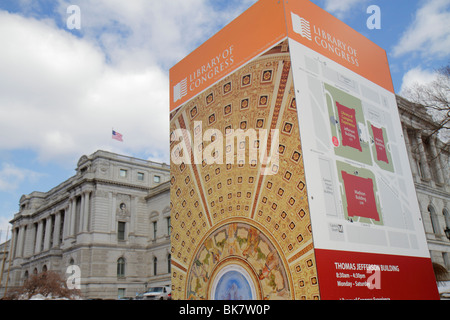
pixel 435 97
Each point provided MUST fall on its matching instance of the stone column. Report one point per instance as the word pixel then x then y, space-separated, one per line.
pixel 57 229
pixel 436 161
pixel 80 219
pixel 423 158
pixel 444 167
pixel 113 200
pixel 72 217
pixel 66 226
pixel 86 212
pixel 133 215
pixel 48 232
pixel 37 246
pixel 20 242
pixel 412 163
pixel 29 240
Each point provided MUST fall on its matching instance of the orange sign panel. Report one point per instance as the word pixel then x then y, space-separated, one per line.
pixel 254 31
pixel 320 31
pixel 254 177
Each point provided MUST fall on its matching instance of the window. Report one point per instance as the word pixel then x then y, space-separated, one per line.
pixel 156 179
pixel 120 293
pixel 121 267
pixel 155 229
pixel 123 173
pixel 446 217
pixel 169 263
pixel 420 169
pixel 168 226
pixel 155 265
pixel 434 220
pixel 52 231
pixel 61 226
pixel 121 231
pixel 140 176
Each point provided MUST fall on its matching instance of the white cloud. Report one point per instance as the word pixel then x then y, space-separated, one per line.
pixel 342 8
pixel 61 93
pixel 159 31
pixel 60 98
pixel 12 176
pixel 429 34
pixel 423 77
pixel 416 76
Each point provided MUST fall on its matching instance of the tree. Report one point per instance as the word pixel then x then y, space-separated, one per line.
pixel 49 284
pixel 435 96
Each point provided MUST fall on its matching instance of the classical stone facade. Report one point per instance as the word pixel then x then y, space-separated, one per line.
pixel 429 159
pixel 112 220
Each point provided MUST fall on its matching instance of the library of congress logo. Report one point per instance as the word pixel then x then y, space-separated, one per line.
pixel 301 26
pixel 180 90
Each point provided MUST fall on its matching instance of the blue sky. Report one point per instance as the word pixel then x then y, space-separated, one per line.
pixel 62 90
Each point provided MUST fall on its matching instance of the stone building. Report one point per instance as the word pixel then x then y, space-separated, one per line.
pixel 111 219
pixel 429 158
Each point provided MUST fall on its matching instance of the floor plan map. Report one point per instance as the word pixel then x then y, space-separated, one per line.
pixel 357 171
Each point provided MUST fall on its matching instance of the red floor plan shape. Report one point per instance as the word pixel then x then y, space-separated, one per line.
pixel 360 197
pixel 379 144
pixel 349 128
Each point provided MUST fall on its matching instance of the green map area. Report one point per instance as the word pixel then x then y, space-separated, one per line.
pixel 389 166
pixel 334 95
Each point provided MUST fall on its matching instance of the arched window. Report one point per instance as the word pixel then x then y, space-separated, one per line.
pixel 169 263
pixel 121 267
pixel 434 220
pixel 446 230
pixel 446 217
pixel 44 268
pixel 155 265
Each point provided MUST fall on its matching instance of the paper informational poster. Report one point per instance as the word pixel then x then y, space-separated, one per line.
pixel 289 173
pixel 368 235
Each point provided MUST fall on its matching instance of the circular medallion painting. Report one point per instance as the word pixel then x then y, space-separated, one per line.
pixel 237 262
pixel 233 283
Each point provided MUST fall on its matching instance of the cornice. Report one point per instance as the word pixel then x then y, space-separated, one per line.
pixel 432 190
pixel 417 111
pixel 65 195
pixel 161 188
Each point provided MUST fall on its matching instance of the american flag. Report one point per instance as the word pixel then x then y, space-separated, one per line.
pixel 117 136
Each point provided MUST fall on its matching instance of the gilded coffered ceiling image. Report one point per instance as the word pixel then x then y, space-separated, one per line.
pixel 240 219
